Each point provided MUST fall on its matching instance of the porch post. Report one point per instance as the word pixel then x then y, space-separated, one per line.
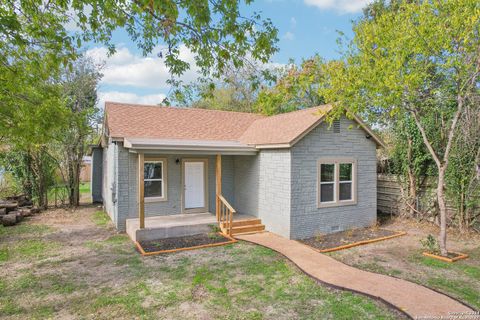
pixel 141 192
pixel 218 176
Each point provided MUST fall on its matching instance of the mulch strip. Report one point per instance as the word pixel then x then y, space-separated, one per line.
pixel 198 241
pixel 349 238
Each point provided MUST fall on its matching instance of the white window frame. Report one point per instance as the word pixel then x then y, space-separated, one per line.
pixel 163 161
pixel 336 182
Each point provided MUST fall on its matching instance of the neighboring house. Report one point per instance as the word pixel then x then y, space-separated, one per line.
pixel 295 172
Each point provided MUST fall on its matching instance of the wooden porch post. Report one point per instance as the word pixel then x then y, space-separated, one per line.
pixel 218 176
pixel 141 192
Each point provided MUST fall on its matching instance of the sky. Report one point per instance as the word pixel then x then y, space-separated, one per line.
pixel 305 27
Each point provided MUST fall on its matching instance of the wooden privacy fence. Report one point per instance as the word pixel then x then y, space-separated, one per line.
pixel 390 198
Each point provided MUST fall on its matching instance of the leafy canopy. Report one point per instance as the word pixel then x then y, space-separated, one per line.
pixel 412 55
pixel 297 87
pixel 214 30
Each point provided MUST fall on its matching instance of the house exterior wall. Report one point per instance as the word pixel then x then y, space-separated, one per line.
pixel 97 176
pixel 127 178
pixel 306 218
pixel 274 190
pixel 109 180
pixel 246 187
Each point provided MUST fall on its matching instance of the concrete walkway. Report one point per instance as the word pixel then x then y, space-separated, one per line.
pixel 413 299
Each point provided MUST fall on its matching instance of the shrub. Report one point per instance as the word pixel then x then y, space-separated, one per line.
pixel 430 244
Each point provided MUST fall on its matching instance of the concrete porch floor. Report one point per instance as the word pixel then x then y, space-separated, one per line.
pixel 175 225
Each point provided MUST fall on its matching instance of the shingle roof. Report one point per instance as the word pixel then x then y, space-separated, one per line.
pixel 154 122
pixel 284 128
pixel 140 121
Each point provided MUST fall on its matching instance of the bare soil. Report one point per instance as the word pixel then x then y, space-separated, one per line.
pixel 403 257
pixel 182 242
pixel 342 238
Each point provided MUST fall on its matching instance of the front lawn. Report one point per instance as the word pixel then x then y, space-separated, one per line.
pixel 402 257
pixel 73 265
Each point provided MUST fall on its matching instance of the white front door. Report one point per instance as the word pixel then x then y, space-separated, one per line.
pixel 194 184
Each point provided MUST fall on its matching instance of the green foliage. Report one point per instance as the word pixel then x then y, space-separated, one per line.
pixel 408 150
pixel 297 87
pixel 215 31
pixel 463 185
pixel 418 58
pixel 430 244
pixel 237 89
pixel 9 186
pixel 79 89
pixel 33 168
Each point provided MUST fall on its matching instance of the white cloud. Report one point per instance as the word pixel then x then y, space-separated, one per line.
pixel 125 68
pixel 293 22
pixel 289 35
pixel 128 97
pixel 342 6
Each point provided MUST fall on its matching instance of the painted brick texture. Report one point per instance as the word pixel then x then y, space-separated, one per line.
pixel 306 219
pixel 128 192
pixel 274 191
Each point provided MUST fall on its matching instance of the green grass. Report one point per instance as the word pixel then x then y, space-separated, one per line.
pixel 84 188
pixel 237 281
pixel 461 289
pixel 100 218
pixel 60 193
pixel 25 229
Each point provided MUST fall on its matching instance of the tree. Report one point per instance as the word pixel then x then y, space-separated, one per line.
pixel 297 87
pixel 236 89
pixel 418 58
pixel 410 160
pixel 35 44
pixel 79 88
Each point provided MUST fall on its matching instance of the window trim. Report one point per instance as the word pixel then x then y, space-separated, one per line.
pixel 336 183
pixel 164 178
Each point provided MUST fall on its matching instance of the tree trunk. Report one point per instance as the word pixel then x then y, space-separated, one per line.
pixel 412 182
pixel 442 240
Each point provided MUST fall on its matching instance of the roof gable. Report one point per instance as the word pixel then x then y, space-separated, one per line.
pixel 284 128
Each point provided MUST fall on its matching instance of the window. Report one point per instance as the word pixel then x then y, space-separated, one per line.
pixel 154 179
pixel 336 182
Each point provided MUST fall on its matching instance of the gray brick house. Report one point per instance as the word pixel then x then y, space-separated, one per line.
pixel 292 174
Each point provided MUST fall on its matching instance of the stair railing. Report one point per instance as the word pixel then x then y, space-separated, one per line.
pixel 225 214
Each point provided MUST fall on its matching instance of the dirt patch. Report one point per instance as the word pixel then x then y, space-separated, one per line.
pixel 402 257
pixel 348 237
pixel 182 242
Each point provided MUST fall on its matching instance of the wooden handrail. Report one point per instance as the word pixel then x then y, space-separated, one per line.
pixel 225 202
pixel 225 215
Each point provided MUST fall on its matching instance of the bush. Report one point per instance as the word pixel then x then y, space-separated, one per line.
pixel 430 244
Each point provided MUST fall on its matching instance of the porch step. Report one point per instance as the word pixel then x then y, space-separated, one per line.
pixel 246 222
pixel 245 226
pixel 248 228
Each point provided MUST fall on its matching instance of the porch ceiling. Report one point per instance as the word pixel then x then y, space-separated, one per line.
pixel 189 146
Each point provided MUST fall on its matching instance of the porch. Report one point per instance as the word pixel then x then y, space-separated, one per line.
pixel 183 189
pixel 178 225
